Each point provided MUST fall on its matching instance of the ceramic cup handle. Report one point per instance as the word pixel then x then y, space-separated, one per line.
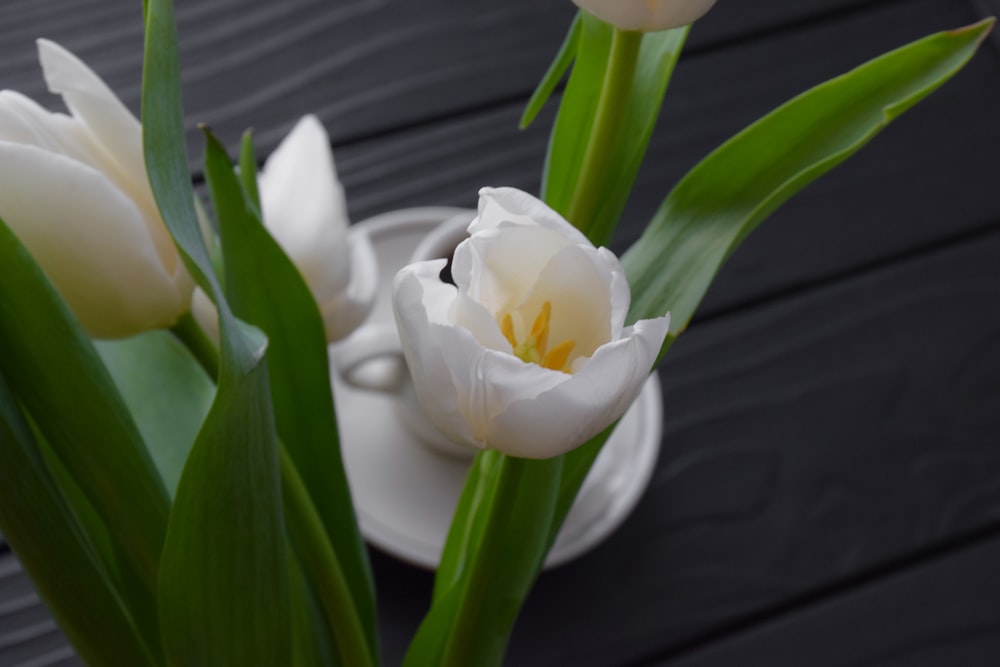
pixel 369 343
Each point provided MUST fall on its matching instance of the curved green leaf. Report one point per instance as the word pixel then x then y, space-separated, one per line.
pixel 719 202
pixel 564 58
pixel 223 588
pixel 167 393
pixel 267 290
pixel 57 553
pixel 55 373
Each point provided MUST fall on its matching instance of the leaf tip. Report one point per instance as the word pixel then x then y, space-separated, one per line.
pixel 981 29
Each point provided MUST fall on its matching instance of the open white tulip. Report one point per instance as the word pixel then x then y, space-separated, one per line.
pixel 305 211
pixel 647 15
pixel 527 353
pixel 75 192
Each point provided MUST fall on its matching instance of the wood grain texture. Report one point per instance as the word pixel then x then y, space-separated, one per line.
pixel 930 177
pixel 832 410
pixel 942 612
pixel 364 66
pixel 28 635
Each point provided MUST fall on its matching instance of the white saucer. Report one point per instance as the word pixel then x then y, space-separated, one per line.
pixel 405 493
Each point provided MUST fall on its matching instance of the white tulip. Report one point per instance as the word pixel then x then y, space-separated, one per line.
pixel 527 353
pixel 75 192
pixel 647 15
pixel 304 210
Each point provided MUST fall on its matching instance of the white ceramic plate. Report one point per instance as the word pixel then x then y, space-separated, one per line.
pixel 405 493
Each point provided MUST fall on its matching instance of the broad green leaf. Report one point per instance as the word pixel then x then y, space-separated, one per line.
pixel 563 59
pixel 223 588
pixel 605 121
pixel 495 549
pixel 719 202
pixel 167 393
pixel 267 290
pixel 57 553
pixel 55 373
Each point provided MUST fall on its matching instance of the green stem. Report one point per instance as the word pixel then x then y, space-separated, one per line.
pixel 505 560
pixel 198 343
pixel 606 130
pixel 322 566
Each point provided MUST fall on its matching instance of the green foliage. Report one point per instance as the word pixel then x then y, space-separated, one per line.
pixel 167 393
pixel 223 588
pixel 58 379
pixel 496 547
pixel 606 117
pixel 266 290
pixel 564 58
pixel 719 202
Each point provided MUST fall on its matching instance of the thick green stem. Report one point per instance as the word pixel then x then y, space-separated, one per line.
pixel 198 343
pixel 322 567
pixel 606 130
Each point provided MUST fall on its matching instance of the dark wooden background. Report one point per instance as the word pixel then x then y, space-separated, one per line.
pixel 828 491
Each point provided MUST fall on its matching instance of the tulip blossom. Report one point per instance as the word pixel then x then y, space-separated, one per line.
pixel 527 352
pixel 75 192
pixel 304 209
pixel 647 15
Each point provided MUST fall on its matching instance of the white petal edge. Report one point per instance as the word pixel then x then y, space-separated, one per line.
pixel 415 303
pixel 304 207
pixel 561 419
pixel 345 311
pixel 103 260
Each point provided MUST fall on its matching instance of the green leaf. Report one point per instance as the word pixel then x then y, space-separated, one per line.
pixel 223 588
pixel 55 373
pixel 167 393
pixel 267 290
pixel 719 202
pixel 57 553
pixel 496 547
pixel 563 59
pixel 606 118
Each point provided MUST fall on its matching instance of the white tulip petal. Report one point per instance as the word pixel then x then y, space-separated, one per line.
pixel 24 121
pixel 647 15
pixel 112 138
pixel 416 300
pixel 303 205
pixel 558 420
pixel 577 286
pixel 345 311
pixel 112 125
pixel 498 205
pixel 205 313
pixel 498 265
pixel 490 387
pixel 102 260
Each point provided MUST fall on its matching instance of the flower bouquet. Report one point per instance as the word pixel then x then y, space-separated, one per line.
pixel 178 494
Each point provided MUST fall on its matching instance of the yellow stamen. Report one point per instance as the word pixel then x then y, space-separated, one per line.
pixel 507 329
pixel 540 329
pixel 556 358
pixel 533 349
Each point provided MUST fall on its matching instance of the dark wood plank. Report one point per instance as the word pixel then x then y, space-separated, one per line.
pixel 814 432
pixel 807 442
pixel 930 177
pixel 28 635
pixel 942 612
pixel 364 67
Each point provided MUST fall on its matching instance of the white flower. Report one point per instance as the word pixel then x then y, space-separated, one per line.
pixel 528 354
pixel 647 15
pixel 74 190
pixel 305 211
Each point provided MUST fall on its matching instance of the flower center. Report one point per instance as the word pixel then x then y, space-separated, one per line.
pixel 534 348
